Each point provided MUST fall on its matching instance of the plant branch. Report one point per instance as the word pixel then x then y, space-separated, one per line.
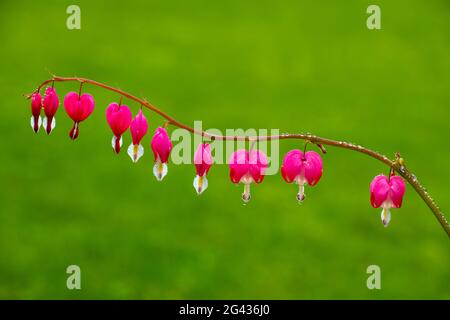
pixel 397 164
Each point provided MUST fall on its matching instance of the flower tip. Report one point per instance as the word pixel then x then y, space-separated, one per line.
pixel 73 134
pixel 35 123
pixel 200 184
pixel 160 170
pixel 385 217
pixel 246 194
pixel 135 151
pixel 301 193
pixel 246 197
pixel 49 125
pixel 300 197
pixel 116 144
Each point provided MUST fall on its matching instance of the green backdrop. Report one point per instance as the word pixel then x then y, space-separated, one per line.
pixel 310 66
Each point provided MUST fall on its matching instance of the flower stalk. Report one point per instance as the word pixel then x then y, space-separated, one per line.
pixel 397 164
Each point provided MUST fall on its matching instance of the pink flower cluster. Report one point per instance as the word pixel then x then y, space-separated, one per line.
pixel 50 104
pixel 119 117
pixel 246 166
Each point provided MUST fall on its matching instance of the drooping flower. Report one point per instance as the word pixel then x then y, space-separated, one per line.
pixel 161 146
pixel 78 108
pixel 302 168
pixel 203 162
pixel 36 106
pixel 387 193
pixel 247 167
pixel 51 104
pixel 138 129
pixel 119 118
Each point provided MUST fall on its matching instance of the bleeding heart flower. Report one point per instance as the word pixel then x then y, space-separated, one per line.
pixel 138 129
pixel 51 104
pixel 78 108
pixel 36 106
pixel 247 167
pixel 203 162
pixel 119 119
pixel 161 146
pixel 302 168
pixel 387 193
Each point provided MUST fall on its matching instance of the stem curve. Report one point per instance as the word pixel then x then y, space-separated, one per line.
pixel 397 164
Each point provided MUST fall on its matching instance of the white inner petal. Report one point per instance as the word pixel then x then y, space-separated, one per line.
pixel 300 179
pixel 39 122
pixel 53 125
pixel 135 152
pixel 246 179
pixel 200 183
pixel 160 170
pixel 301 193
pixel 246 195
pixel 113 142
pixel 75 130
pixel 385 216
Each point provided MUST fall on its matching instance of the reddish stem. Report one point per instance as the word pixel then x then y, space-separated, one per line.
pixel 397 165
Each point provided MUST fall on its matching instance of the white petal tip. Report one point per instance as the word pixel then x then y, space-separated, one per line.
pixel 116 147
pixel 135 152
pixel 36 126
pixel 385 217
pixel 246 195
pixel 160 170
pixel 200 184
pixel 301 193
pixel 246 198
pixel 48 128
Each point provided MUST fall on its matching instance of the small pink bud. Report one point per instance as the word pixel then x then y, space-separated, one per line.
pixel 203 162
pixel 119 118
pixel 138 129
pixel 51 104
pixel 387 193
pixel 36 106
pixel 302 168
pixel 78 108
pixel 161 146
pixel 247 167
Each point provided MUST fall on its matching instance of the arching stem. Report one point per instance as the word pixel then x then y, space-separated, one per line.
pixel 397 164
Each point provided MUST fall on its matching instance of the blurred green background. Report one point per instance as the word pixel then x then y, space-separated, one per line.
pixel 296 66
